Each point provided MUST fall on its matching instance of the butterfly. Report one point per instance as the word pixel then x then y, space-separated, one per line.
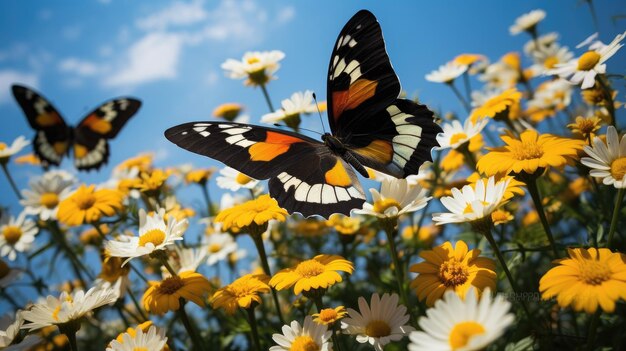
pixel 371 127
pixel 88 141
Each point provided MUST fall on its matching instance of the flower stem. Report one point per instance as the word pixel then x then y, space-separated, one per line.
pixel 267 97
pixel 193 333
pixel 593 328
pixel 468 87
pixel 614 220
pixel 11 181
pixel 460 97
pixel 69 329
pixel 389 230
pixel 608 98
pixel 253 329
pixel 318 304
pixel 534 194
pixel 207 199
pixel 258 242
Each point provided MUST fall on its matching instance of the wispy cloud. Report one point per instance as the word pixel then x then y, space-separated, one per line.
pixel 177 14
pixel 80 67
pixel 10 77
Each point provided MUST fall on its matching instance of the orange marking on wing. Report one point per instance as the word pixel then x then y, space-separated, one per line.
pixel 80 151
pixel 97 124
pixel 379 150
pixel 275 144
pixel 60 147
pixel 357 93
pixel 338 175
pixel 48 119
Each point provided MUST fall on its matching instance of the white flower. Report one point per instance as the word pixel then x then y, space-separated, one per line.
pixel 219 246
pixel 234 180
pixel 543 41
pixel 154 234
pixel 499 76
pixel 548 57
pixel 299 103
pixel 462 324
pixel 472 202
pixel 396 197
pixel 45 194
pixel 309 336
pixel 591 42
pixel 585 68
pixel 154 339
pixel 7 151
pixel 446 73
pixel 527 22
pixel 16 235
pixel 256 66
pixel 380 323
pixel 554 94
pixel 9 328
pixel 7 274
pixel 189 259
pixel 454 134
pixel 608 161
pixel 68 307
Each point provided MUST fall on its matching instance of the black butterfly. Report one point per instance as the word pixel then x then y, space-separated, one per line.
pixel 88 140
pixel 370 126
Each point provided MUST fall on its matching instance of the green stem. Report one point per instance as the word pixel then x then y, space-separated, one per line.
pixel 534 194
pixel 608 97
pixel 253 329
pixel 207 199
pixel 193 333
pixel 258 242
pixel 11 181
pixel 460 97
pixel 468 88
pixel 614 220
pixel 267 98
pixel 136 303
pixel 69 329
pixel 593 328
pixel 390 230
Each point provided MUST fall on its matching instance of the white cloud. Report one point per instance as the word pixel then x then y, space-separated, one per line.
pixel 79 67
pixel 286 14
pixel 212 78
pixel 153 57
pixel 177 14
pixel 10 77
pixel 71 32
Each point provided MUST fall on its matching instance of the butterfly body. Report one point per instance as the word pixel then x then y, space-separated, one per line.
pixel 87 142
pixel 370 127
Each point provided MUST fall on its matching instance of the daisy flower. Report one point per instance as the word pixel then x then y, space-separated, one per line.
pixel 16 235
pixel 608 160
pixel 496 107
pixel 256 212
pixel 396 197
pixel 455 323
pixel 320 272
pixel 584 69
pixel 309 336
pixel 527 22
pixel 552 96
pixel 548 57
pixel 228 111
pixel 242 293
pixel 328 316
pixel 257 67
pixel 153 339
pixel 380 323
pixel 187 259
pixel 66 308
pixel 154 234
pixel 343 224
pixel 586 127
pixel 163 296
pixel 7 151
pixel 199 176
pixel 472 203
pixel 542 41
pixel 446 73
pixel 500 76
pixel 141 162
pixel 218 247
pixel 45 194
pixel 10 328
pixel 233 180
pixel 87 205
pixel 454 134
pixel 447 268
pixel 299 103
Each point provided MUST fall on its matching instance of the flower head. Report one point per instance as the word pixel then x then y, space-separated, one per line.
pixel 152 339
pixel 88 205
pixel 228 111
pixel 329 316
pixel 234 180
pixel 396 197
pixel 242 293
pixel 219 246
pixel 163 296
pixel 454 134
pixel 446 73
pixel 7 151
pixel 257 67
pixel 320 272
pixel 456 323
pixel 379 323
pixel 608 160
pixel 527 22
pixel 199 176
pixel 310 336
pixel 448 268
pixel 258 212
pixel 497 107
pixel 45 194
pixel 588 278
pixel 299 103
pixel 16 235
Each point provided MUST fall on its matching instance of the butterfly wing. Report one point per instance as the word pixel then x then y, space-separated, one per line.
pixel 304 176
pixel 52 134
pixel 91 148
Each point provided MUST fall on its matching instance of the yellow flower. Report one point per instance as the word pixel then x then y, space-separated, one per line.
pixel 28 159
pixel 588 278
pixel 152 181
pixel 448 268
pixel 593 96
pixel 343 224
pixel 501 216
pixel 88 205
pixel 328 316
pixel 228 111
pixel 498 107
pixel 452 161
pixel 319 272
pixel 199 176
pixel 133 331
pixel 258 211
pixel 164 296
pixel 90 236
pixel 426 233
pixel 309 227
pixel 585 126
pixel 112 269
pixel 242 293
pixel 142 162
pixel 512 59
pixel 468 59
pixel 531 153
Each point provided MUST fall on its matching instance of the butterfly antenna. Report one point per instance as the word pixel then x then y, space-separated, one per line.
pixel 308 130
pixel 319 112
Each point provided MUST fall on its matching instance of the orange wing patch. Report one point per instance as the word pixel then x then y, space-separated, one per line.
pixel 97 124
pixel 60 147
pixel 275 144
pixel 80 151
pixel 48 119
pixel 338 175
pixel 380 150
pixel 359 91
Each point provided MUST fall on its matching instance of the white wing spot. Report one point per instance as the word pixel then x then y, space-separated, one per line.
pixel 205 134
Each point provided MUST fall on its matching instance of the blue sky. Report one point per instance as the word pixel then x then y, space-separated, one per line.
pixel 168 54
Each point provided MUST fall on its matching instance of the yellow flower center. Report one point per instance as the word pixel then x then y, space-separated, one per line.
pixel 12 234
pixel 527 151
pixel 463 332
pixel 170 285
pixel 140 349
pixel 252 60
pixel 594 272
pixel 154 236
pixel 457 137
pixel 304 343
pixel 55 313
pixel 242 179
pixel 453 272
pixel 328 314
pixel 49 200
pixel 84 200
pixel 213 248
pixel 377 329
pixel 550 62
pixel 586 125
pixel 4 269
pixel 2 146
pixel 588 60
pixel 618 168
pixel 383 204
pixel 309 268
